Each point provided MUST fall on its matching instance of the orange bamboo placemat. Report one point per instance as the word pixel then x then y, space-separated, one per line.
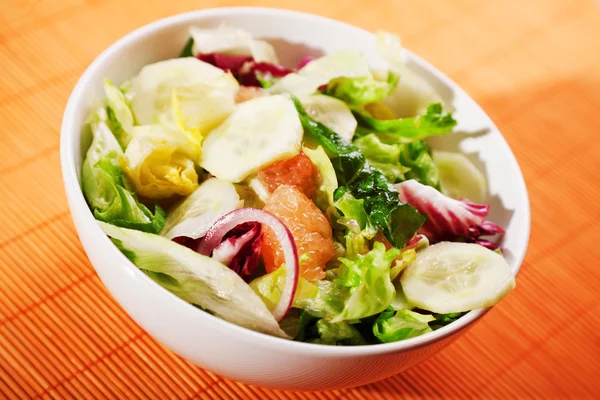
pixel 533 65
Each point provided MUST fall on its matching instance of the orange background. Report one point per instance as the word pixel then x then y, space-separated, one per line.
pixel 534 65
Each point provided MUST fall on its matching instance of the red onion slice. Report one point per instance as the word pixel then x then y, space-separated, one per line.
pixel 227 222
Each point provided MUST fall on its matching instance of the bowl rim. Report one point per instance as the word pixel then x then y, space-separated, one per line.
pixel 77 201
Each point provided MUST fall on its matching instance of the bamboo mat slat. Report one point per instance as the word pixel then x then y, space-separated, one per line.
pixel 533 65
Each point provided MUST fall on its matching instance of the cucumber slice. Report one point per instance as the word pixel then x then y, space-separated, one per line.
pixel 348 63
pixel 200 108
pixel 153 86
pixel 332 113
pixel 454 277
pixel 193 216
pixel 258 132
pixel 459 177
pixel 228 40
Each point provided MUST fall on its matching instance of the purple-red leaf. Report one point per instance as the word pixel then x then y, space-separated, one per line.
pixel 244 68
pixel 240 248
pixel 448 218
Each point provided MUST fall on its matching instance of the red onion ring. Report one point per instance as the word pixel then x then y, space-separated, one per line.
pixel 215 235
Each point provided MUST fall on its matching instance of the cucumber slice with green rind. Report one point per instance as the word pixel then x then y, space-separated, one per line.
pixel 454 277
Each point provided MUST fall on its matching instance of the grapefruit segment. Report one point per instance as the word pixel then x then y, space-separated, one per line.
pixel 310 229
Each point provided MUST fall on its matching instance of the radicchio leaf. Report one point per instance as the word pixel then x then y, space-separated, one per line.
pixel 305 61
pixel 449 219
pixel 239 249
pixel 252 71
pixel 227 62
pixel 244 68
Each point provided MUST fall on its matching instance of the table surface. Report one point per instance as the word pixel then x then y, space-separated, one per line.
pixel 532 65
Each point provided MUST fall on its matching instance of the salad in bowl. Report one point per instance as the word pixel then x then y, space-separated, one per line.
pixel 304 202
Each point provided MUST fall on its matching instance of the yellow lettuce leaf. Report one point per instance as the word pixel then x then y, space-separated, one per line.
pixel 160 162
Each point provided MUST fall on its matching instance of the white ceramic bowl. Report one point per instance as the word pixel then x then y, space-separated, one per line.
pixel 227 349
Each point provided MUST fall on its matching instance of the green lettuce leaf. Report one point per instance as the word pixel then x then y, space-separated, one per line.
pixel 270 286
pixel 119 115
pixel 353 210
pixel 434 122
pixel 368 279
pixel 329 301
pixel 195 278
pixel 360 288
pixel 364 90
pixel 321 299
pixel 327 180
pixel 400 161
pixel 392 326
pixel 406 258
pixel 305 324
pixel 398 221
pixel 187 49
pixel 384 157
pixel 106 189
pixel 359 228
pixel 417 157
pixel 338 333
pixel 442 320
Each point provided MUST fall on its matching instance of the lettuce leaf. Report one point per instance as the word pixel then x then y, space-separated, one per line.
pixel 368 279
pixel 327 302
pixel 105 186
pixel 327 180
pixel 337 333
pixel 400 161
pixel 364 90
pixel 160 162
pixel 187 49
pixel 360 288
pixel 359 227
pixel 269 287
pixel 305 324
pixel 119 115
pixel 406 258
pixel 442 320
pixel 434 122
pixel 353 210
pixel 417 157
pixel 398 221
pixel 413 94
pixel 384 157
pixel 392 326
pixel 195 278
